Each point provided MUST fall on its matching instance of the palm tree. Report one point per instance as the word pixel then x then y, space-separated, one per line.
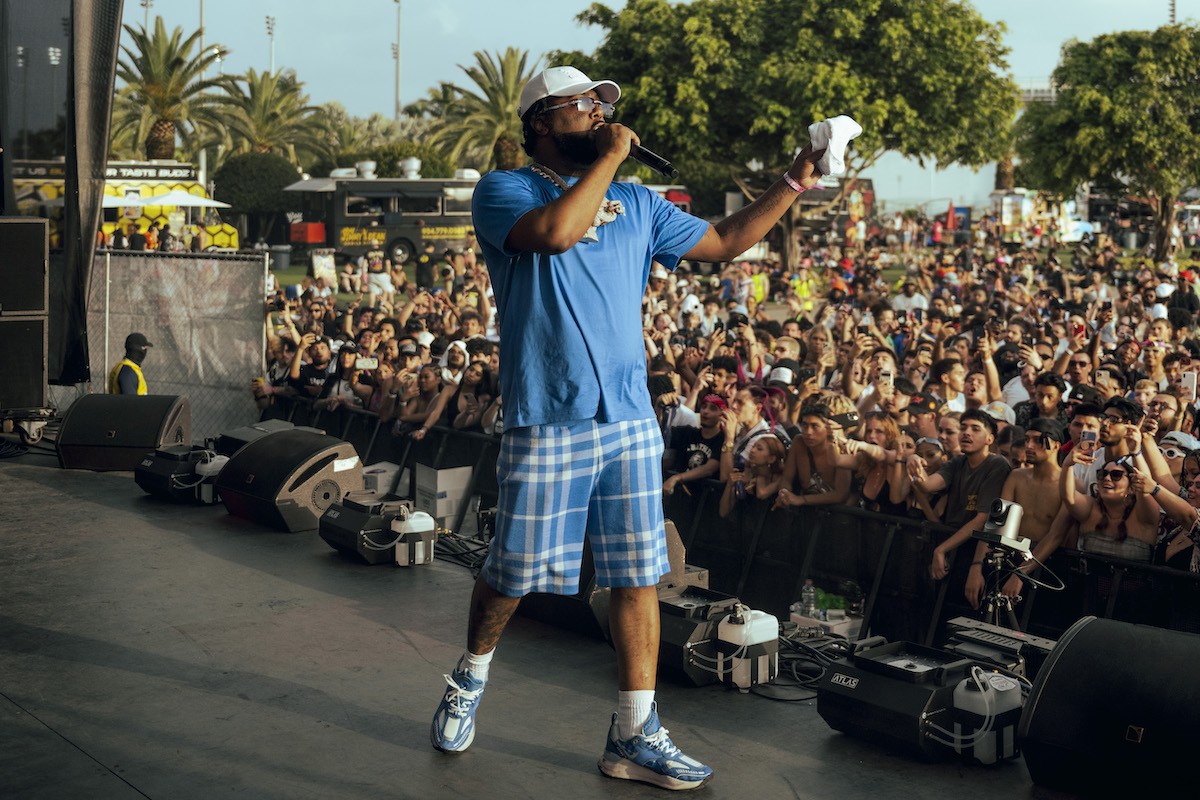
pixel 480 126
pixel 346 135
pixel 165 95
pixel 271 114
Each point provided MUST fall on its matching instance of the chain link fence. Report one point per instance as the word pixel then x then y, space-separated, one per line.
pixel 204 315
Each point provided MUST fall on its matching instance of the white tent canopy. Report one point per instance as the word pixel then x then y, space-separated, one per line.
pixel 181 199
pixel 119 201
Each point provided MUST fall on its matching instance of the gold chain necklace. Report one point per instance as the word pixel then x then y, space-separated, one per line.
pixel 608 211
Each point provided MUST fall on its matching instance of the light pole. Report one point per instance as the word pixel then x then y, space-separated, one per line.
pixel 24 101
pixel 396 55
pixel 146 5
pixel 55 56
pixel 271 37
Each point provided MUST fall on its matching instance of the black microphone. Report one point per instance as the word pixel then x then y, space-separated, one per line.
pixel 653 160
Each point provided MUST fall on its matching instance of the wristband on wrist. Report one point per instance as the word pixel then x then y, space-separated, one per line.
pixel 791 182
pixel 1157 488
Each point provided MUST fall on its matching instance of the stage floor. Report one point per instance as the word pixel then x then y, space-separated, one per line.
pixel 149 649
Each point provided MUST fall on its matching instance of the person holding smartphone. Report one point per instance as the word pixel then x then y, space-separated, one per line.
pixel 343 387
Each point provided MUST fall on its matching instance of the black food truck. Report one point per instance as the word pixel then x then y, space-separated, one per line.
pixel 353 215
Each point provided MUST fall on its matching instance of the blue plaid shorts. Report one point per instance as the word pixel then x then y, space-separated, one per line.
pixel 561 482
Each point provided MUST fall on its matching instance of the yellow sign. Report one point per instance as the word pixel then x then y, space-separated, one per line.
pixel 445 232
pixel 363 237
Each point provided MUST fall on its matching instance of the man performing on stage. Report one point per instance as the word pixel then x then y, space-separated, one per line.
pixel 569 255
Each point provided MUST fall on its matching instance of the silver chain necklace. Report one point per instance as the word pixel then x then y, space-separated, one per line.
pixel 609 209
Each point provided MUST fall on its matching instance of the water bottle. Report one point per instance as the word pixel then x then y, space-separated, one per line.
pixel 808 599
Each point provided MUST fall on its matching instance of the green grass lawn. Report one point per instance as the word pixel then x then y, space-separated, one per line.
pixel 297 271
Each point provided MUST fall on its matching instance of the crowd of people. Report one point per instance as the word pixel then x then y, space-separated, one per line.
pixel 919 381
pixel 155 237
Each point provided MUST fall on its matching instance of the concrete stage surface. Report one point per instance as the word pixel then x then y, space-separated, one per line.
pixel 156 650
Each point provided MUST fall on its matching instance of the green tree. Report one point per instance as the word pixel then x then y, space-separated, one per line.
pixel 253 184
pixel 1126 113
pixel 270 113
pixel 720 84
pixel 165 97
pixel 478 126
pixel 348 134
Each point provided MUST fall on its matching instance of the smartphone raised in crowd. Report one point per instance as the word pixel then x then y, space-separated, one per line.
pixel 1188 381
pixel 886 378
pixel 1087 442
pixel 365 362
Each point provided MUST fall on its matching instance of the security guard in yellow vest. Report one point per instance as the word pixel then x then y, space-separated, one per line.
pixel 126 377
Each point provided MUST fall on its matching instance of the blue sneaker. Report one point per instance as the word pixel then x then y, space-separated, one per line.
pixel 453 727
pixel 651 757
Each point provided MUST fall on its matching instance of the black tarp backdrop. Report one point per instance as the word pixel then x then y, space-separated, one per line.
pixel 58 61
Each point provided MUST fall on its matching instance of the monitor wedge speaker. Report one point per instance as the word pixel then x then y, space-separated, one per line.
pixel 105 432
pixel 287 479
pixel 1114 709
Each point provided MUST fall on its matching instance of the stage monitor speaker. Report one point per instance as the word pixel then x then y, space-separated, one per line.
pixel 231 441
pixel 22 361
pixel 115 431
pixel 1114 710
pixel 287 479
pixel 24 266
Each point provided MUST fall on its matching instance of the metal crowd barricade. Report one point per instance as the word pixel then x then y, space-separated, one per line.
pixel 763 556
pixel 375 440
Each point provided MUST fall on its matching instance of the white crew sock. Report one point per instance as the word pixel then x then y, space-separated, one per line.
pixel 478 665
pixel 633 709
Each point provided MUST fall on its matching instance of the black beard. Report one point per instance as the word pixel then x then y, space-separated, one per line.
pixel 578 148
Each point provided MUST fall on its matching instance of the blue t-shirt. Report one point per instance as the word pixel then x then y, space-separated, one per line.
pixel 571 344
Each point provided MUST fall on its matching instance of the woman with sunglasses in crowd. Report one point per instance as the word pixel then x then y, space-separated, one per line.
pixel 1114 519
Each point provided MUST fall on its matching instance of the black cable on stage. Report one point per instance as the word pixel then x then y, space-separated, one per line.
pixel 802 665
pixel 461 550
pixel 12 450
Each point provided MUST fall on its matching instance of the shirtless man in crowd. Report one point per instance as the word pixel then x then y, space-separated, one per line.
pixel 1027 487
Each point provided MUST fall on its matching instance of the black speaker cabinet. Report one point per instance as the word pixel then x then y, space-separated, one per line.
pixel 24 265
pixel 230 442
pixel 115 431
pixel 22 360
pixel 286 480
pixel 1115 709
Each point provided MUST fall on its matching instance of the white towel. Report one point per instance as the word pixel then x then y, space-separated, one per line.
pixel 834 134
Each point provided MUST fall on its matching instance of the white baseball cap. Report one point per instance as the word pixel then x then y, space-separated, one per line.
pixel 564 82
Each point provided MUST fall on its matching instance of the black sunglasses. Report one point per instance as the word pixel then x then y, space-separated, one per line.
pixel 1115 474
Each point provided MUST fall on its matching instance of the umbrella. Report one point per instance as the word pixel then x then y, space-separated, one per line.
pixel 122 201
pixel 951 218
pixel 181 199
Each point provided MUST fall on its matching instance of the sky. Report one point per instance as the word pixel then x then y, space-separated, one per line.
pixel 343 52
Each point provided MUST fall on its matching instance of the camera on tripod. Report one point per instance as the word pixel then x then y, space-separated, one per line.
pixel 1003 527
